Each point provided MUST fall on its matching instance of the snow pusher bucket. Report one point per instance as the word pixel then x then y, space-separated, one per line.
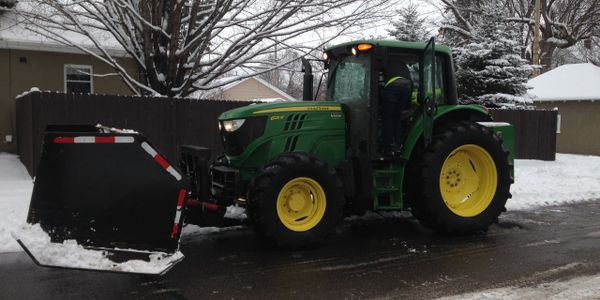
pixel 104 200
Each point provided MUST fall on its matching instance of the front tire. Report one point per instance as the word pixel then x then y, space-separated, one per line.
pixel 296 200
pixel 464 180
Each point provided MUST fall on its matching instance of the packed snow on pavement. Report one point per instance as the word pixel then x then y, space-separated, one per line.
pixel 585 287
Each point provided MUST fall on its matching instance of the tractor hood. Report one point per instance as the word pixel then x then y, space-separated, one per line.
pixel 254 110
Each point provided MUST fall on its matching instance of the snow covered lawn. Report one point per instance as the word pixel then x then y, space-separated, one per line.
pixel 15 193
pixel 571 178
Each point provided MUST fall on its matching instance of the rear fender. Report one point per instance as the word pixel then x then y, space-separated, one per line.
pixel 444 115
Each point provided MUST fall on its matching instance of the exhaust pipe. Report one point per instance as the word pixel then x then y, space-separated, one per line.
pixel 307 91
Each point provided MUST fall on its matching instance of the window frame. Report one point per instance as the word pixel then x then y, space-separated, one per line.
pixel 90 67
pixel 443 68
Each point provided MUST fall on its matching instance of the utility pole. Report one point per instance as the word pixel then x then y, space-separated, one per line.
pixel 536 40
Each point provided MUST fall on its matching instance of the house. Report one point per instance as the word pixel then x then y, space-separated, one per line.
pixel 248 89
pixel 574 90
pixel 28 60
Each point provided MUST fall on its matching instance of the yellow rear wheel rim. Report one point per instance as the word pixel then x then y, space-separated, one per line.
pixel 468 180
pixel 301 204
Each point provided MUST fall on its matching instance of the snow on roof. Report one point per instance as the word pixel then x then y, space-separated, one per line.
pixel 567 83
pixel 15 35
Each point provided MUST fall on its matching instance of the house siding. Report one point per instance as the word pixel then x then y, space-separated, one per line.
pixel 249 90
pixel 44 70
pixel 579 126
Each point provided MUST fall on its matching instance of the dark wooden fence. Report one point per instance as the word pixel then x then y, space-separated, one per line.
pixel 535 132
pixel 170 123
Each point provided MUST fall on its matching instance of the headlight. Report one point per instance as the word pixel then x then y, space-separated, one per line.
pixel 233 125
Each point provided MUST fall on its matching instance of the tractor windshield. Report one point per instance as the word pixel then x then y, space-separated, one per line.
pixel 349 80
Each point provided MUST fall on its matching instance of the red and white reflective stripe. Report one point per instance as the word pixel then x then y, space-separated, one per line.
pixel 161 161
pixel 178 213
pixel 94 140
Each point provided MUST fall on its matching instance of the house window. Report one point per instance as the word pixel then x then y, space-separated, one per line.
pixel 78 79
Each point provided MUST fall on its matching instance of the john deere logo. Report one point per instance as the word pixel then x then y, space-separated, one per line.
pixel 275 118
pixel 336 115
pixel 322 108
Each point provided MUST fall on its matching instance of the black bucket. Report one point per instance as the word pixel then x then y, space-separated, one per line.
pixel 107 189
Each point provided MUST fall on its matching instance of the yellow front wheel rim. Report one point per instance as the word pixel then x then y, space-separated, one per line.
pixel 301 204
pixel 468 180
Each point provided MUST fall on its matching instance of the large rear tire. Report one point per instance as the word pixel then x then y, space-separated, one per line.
pixel 297 200
pixel 464 180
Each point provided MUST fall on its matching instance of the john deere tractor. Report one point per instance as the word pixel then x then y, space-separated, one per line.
pixel 297 167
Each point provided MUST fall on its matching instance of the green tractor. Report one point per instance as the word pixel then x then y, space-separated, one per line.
pixel 300 167
pixel 297 167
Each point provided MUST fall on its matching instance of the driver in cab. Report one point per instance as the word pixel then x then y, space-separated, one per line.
pixel 397 93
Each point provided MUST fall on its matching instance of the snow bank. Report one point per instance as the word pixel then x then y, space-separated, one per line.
pixel 587 287
pixel 571 178
pixel 15 193
pixel 192 230
pixel 235 212
pixel 31 90
pixel 70 254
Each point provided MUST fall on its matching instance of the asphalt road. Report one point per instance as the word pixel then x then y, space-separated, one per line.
pixel 393 258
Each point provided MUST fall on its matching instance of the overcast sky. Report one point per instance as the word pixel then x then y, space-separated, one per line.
pixel 380 29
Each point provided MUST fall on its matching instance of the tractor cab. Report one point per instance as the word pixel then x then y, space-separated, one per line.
pixel 356 80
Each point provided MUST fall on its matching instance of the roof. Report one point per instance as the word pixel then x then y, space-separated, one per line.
pixel 15 35
pixel 574 82
pixel 395 44
pixel 284 95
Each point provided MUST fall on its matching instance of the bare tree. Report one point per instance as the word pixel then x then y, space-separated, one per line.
pixel 591 48
pixel 564 23
pixel 182 46
pixel 457 26
pixel 287 78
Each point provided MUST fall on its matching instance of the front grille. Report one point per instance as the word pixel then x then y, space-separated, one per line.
pixel 236 142
pixel 294 121
pixel 225 184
